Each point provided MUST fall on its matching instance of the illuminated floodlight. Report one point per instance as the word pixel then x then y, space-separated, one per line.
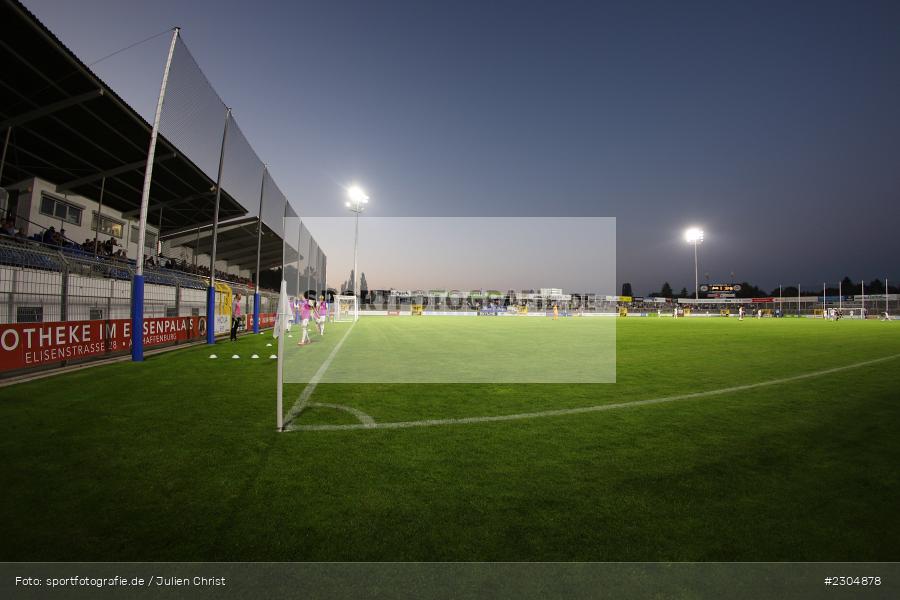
pixel 357 194
pixel 694 235
pixel 358 198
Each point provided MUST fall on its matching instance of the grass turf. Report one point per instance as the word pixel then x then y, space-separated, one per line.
pixel 177 458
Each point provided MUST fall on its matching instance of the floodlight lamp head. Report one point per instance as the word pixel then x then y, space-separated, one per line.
pixel 357 194
pixel 693 235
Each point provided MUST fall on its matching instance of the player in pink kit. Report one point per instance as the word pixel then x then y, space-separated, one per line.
pixel 321 314
pixel 305 313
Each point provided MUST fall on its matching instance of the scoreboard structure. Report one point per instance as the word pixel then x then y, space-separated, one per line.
pixel 720 290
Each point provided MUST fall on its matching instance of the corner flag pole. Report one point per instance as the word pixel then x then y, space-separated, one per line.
pixel 280 326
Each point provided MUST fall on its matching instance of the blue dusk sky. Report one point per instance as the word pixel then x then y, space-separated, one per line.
pixel 773 125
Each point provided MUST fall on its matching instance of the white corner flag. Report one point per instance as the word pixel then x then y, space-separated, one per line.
pixel 282 324
pixel 283 314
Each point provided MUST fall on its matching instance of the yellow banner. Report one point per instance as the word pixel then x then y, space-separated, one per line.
pixel 224 299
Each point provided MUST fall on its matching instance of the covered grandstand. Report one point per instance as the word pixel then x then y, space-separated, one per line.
pixel 72 172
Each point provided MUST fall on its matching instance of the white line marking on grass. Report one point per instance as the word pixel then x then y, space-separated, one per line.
pixel 302 401
pixel 362 417
pixel 590 409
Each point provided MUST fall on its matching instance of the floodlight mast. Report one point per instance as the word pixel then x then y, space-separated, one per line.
pixel 694 235
pixel 358 200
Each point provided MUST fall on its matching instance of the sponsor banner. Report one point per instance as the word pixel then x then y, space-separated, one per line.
pixel 224 298
pixel 267 320
pixel 31 344
pixel 223 324
pixel 770 299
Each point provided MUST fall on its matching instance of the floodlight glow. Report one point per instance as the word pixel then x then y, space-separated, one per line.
pixel 694 235
pixel 357 194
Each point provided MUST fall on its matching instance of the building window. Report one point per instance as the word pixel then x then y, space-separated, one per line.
pixel 149 238
pixel 29 314
pixel 96 314
pixel 60 209
pixel 108 226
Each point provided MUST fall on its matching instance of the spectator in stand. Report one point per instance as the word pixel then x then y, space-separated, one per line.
pixel 9 227
pixel 49 235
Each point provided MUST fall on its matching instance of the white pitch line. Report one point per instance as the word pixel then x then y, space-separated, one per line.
pixel 360 415
pixel 590 409
pixel 301 402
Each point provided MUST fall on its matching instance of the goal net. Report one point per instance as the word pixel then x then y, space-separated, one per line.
pixel 346 308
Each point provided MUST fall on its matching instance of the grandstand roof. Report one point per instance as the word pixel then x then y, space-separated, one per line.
pixel 70 128
pixel 236 243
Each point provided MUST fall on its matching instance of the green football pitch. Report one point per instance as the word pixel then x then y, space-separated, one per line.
pixel 761 440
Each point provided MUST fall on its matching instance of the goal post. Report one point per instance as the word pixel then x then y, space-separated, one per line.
pixel 346 308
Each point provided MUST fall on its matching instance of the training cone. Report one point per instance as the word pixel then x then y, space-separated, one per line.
pixel 268 345
pixel 213 356
pixel 274 356
pixel 235 356
pixel 255 356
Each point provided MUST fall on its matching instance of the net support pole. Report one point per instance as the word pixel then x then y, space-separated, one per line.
pixel 137 288
pixel 824 309
pixel 299 259
pixel 211 290
pixel 99 214
pixel 798 300
pixel 159 235
pixel 262 189
pixel 3 155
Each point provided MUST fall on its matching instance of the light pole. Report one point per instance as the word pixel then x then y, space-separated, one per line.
pixel 358 200
pixel 694 236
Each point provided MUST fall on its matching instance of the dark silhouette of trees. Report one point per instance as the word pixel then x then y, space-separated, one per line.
pixel 626 289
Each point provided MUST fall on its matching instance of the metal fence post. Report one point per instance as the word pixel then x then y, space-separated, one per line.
pixel 64 293
pixel 11 298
